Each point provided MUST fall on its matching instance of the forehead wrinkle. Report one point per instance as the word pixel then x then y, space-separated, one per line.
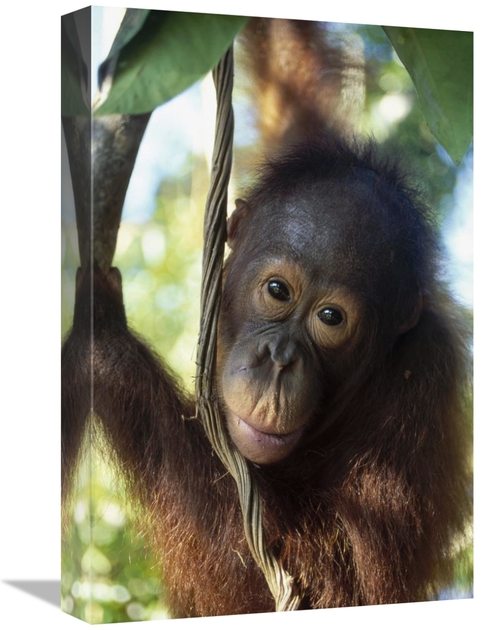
pixel 299 232
pixel 319 228
pixel 327 244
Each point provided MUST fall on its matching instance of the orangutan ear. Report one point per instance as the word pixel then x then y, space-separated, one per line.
pixel 235 221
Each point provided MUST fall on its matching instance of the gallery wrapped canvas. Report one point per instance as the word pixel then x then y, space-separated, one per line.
pixel 271 411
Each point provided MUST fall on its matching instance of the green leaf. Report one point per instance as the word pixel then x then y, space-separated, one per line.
pixel 74 74
pixel 440 65
pixel 160 57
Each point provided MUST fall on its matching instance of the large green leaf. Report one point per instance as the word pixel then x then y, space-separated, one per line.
pixel 158 55
pixel 440 65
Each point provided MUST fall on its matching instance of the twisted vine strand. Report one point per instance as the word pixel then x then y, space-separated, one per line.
pixel 279 581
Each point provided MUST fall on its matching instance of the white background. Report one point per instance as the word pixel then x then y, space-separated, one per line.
pixel 30 325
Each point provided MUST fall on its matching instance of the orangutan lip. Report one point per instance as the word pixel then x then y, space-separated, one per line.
pixel 278 439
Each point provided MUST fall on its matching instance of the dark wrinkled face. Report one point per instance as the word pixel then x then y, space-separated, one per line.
pixel 290 326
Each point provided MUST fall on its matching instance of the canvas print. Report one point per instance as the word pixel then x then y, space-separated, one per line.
pixel 266 307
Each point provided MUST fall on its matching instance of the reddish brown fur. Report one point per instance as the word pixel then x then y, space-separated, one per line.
pixel 367 513
pixel 368 518
pixel 303 79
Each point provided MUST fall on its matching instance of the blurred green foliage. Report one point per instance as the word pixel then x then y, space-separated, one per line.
pixel 108 573
pixel 161 267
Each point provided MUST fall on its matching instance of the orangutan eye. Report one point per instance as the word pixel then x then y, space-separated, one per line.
pixel 331 316
pixel 278 290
